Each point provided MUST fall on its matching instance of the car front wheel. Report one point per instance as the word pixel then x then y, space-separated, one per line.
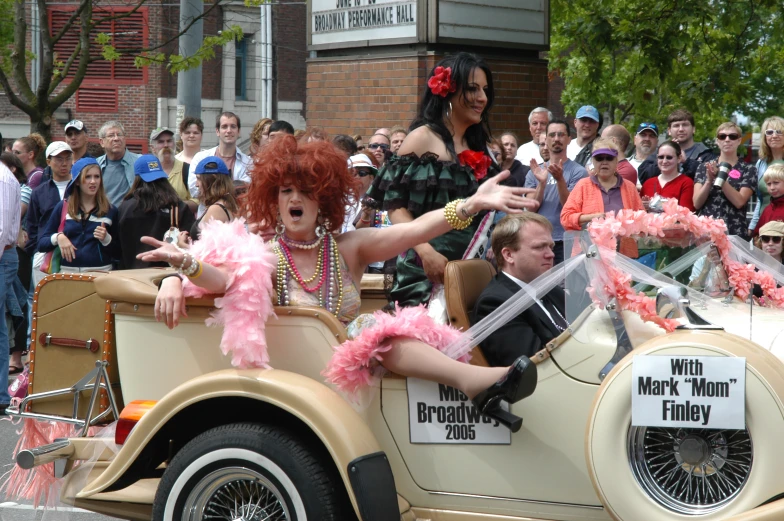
pixel 250 472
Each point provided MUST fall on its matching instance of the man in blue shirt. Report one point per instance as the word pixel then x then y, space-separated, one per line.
pixel 554 180
pixel 117 163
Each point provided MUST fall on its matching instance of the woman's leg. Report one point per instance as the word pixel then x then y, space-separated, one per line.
pixel 409 357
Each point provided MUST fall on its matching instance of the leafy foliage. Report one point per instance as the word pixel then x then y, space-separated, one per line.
pixel 637 60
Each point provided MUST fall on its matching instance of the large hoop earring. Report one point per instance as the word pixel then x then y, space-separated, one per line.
pixel 280 228
pixel 449 111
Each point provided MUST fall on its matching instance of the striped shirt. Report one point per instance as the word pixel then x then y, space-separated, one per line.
pixel 10 208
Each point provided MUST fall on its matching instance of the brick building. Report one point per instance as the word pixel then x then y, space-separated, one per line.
pixel 143 99
pixel 370 60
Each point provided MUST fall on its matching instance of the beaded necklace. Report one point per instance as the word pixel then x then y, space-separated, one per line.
pixel 330 286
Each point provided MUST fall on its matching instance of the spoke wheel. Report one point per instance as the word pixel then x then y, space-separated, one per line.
pixel 690 471
pixel 236 494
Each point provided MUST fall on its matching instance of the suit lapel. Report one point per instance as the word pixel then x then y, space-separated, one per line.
pixel 535 308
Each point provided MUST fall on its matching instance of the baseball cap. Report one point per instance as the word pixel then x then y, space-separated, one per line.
pixel 211 165
pixel 648 126
pixel 773 229
pixel 362 161
pixel 76 125
pixel 56 148
pixel 160 130
pixel 148 167
pixel 76 170
pixel 587 111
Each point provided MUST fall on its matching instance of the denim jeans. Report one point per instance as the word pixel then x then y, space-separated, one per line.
pixel 9 263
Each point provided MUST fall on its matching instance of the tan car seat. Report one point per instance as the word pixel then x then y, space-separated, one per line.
pixel 464 281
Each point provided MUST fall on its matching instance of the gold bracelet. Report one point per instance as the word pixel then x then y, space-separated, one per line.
pixel 450 214
pixel 199 270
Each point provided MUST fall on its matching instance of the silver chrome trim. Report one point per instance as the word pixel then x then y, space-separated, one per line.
pixel 515 500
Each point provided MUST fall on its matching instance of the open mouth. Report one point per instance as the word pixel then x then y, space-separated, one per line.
pixel 295 213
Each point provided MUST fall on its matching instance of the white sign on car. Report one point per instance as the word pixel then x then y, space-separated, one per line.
pixel 438 413
pixel 705 392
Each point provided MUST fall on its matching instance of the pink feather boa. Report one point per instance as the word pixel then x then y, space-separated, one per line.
pixel 247 304
pixel 355 363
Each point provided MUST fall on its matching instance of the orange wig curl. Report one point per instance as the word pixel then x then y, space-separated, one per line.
pixel 317 168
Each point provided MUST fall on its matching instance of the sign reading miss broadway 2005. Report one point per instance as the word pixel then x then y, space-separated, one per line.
pixel 341 21
pixel 701 392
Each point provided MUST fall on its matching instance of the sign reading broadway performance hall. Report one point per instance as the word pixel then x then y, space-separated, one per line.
pixel 339 21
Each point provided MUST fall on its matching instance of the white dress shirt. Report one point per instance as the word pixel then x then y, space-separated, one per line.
pixel 10 209
pixel 529 151
pixel 240 173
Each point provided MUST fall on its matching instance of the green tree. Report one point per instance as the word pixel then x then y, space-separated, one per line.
pixel 638 60
pixel 87 22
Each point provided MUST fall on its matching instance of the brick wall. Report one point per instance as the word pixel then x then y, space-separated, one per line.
pixel 289 36
pixel 360 95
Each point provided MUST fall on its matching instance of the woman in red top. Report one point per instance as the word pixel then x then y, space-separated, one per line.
pixel 670 183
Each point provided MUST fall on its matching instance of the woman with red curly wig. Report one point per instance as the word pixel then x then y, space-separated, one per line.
pixel 304 188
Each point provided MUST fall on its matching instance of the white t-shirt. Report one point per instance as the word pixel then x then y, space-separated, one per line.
pixel 572 149
pixel 61 185
pixel 528 151
pixel 635 162
pixel 240 172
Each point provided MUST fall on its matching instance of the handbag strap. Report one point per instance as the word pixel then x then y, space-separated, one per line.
pixel 63 215
pixel 174 217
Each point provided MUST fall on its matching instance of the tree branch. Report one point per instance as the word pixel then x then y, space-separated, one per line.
pixel 84 60
pixel 18 56
pixel 47 55
pixel 69 23
pixel 15 100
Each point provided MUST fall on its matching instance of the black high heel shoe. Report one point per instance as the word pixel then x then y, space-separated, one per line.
pixel 518 383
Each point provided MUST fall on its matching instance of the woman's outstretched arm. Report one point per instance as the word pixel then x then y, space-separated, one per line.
pixel 378 244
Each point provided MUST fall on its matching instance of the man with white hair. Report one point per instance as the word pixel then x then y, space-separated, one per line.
pixel 117 163
pixel 537 124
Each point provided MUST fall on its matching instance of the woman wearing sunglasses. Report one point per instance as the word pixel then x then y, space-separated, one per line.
pixel 728 201
pixel 601 192
pixel 771 152
pixel 670 183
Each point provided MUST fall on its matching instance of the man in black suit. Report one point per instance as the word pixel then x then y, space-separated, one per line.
pixel 523 248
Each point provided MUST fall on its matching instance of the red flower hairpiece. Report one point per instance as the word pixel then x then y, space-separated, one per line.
pixel 478 161
pixel 441 83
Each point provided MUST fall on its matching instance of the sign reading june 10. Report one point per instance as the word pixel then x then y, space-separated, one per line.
pixel 700 392
pixel 342 21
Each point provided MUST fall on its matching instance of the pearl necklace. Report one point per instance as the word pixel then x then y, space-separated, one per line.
pixel 303 245
pixel 330 296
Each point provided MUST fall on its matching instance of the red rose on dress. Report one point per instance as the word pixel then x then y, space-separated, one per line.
pixel 441 83
pixel 478 161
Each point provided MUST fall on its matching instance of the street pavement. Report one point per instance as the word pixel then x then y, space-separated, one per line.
pixel 11 510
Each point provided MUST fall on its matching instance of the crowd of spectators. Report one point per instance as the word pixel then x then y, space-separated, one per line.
pixel 94 206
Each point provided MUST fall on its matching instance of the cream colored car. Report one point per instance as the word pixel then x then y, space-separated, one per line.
pixel 198 439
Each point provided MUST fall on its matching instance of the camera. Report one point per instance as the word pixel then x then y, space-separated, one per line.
pixel 724 170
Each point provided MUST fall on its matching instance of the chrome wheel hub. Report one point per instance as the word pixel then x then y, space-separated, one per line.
pixel 235 494
pixel 690 471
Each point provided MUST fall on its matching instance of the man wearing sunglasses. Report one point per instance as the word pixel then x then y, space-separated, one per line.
pixel 771 236
pixel 680 127
pixel 358 216
pixel 379 145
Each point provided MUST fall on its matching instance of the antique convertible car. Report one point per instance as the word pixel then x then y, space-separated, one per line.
pixel 197 439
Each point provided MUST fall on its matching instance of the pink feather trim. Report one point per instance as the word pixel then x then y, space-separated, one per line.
pixel 245 307
pixel 38 484
pixel 355 363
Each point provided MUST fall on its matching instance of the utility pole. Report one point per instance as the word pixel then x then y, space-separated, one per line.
pixel 189 82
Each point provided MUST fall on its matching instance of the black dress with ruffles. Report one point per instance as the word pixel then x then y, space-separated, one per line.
pixel 422 184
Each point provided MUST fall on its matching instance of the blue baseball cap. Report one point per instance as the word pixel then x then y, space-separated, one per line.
pixel 76 171
pixel 148 167
pixel 587 111
pixel 642 127
pixel 211 165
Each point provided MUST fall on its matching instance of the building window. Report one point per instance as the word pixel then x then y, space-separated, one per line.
pixel 241 68
pixel 128 32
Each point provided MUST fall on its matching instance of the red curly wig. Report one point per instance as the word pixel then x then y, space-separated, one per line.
pixel 317 168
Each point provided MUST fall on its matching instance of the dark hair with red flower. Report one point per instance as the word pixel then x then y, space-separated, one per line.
pixel 441 83
pixel 317 168
pixel 434 105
